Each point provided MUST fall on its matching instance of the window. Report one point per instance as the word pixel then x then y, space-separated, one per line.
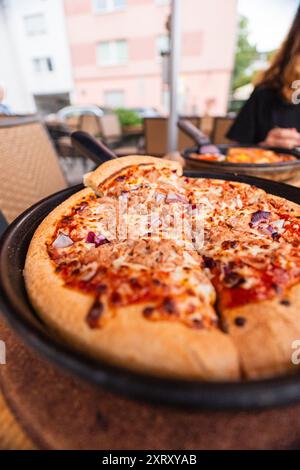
pixel 43 65
pixel 105 6
pixel 114 99
pixel 35 24
pixel 162 44
pixel 112 53
pixel 163 2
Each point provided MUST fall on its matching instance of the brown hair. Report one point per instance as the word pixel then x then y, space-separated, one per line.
pixel 285 66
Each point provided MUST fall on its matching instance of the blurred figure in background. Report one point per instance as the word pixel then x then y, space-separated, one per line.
pixel 271 116
pixel 4 109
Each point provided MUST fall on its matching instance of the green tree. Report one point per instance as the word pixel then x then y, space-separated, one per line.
pixel 246 54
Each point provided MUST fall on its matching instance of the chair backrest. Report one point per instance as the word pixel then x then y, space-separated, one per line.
pixel 110 127
pixel 90 123
pixel 156 135
pixel 221 127
pixel 29 168
pixel 207 125
pixel 72 122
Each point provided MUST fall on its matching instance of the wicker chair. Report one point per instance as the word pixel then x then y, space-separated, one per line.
pixel 73 123
pixel 156 136
pixel 29 168
pixel 29 171
pixel 111 134
pixel 86 122
pixel 221 127
pixel 90 123
pixel 207 125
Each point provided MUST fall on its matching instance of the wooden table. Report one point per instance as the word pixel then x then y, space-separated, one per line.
pixel 12 435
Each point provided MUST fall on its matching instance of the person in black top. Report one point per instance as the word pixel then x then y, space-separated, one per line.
pixel 271 116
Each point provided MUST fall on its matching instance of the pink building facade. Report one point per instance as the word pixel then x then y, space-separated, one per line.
pixel 116 45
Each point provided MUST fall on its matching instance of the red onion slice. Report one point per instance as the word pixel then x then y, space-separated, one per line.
pixel 91 237
pixel 62 241
pixel 174 197
pixel 100 240
pixel 259 216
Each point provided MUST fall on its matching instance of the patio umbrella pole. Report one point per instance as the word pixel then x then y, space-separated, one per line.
pixel 175 39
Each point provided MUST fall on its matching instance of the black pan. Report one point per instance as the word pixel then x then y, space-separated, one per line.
pixel 282 171
pixel 21 315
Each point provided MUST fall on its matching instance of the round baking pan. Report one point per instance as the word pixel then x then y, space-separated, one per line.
pixel 282 171
pixel 197 394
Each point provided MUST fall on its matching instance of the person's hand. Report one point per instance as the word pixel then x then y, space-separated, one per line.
pixel 280 137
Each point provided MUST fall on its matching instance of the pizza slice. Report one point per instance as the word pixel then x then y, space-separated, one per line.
pixel 128 174
pixel 252 252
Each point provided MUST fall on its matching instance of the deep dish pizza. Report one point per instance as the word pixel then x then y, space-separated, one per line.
pixel 170 275
pixel 246 155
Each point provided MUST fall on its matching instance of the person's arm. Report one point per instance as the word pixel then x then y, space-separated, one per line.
pixel 279 137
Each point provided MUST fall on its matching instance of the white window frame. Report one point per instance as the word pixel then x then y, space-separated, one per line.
pixel 110 7
pixel 163 3
pixel 120 92
pixel 44 62
pixel 112 62
pixel 41 30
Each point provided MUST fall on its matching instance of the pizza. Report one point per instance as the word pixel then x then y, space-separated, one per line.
pixel 256 155
pixel 246 155
pixel 168 275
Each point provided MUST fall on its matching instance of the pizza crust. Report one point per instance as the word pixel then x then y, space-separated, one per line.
pixel 264 342
pixel 107 169
pixel 45 288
